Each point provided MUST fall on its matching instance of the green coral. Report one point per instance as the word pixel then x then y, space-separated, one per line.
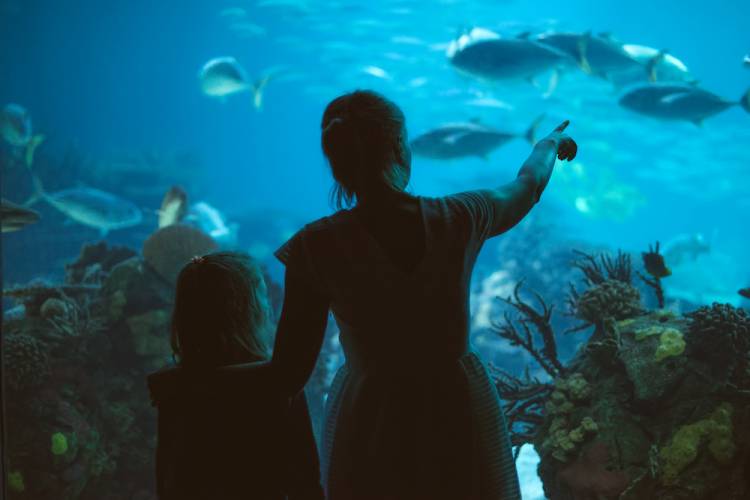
pixel 15 481
pixel 685 445
pixel 644 333
pixel 671 343
pixel 563 441
pixel 59 444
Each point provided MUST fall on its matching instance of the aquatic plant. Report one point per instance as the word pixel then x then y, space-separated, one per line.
pixel 605 268
pixel 26 361
pixel 167 250
pixel 653 262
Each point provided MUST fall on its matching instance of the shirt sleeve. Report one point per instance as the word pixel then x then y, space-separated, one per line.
pixel 296 252
pixel 482 213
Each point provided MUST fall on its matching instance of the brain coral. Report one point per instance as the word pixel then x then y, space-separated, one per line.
pixel 167 250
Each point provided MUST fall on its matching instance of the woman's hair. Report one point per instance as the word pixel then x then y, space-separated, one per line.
pixel 221 312
pixel 364 139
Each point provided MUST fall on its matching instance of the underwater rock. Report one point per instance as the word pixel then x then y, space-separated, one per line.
pixel 95 262
pixel 591 476
pixel 53 308
pixel 171 247
pixel 645 357
pixel 611 299
pixel 713 433
pixel 150 335
pixel 133 288
pixel 26 362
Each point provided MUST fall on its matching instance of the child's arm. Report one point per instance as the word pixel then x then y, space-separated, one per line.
pixel 299 337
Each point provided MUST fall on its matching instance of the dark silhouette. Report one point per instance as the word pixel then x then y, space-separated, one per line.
pixel 227 439
pixel 412 414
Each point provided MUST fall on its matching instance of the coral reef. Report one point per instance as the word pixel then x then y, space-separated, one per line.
pixel 171 247
pixel 26 362
pixel 653 405
pixel 610 294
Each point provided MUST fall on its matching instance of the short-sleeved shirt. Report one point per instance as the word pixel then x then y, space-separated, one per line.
pixel 412 411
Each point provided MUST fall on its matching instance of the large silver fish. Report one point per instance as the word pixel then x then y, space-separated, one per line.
pixel 91 207
pixel 14 217
pixel 678 102
pixel 224 76
pixel 598 55
pixel 173 207
pixel 458 140
pixel 503 59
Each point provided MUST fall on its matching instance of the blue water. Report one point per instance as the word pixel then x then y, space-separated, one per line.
pixel 116 77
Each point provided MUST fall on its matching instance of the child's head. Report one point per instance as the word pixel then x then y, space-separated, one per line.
pixel 221 312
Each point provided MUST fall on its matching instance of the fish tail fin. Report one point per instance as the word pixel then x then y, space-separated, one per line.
pixel 258 87
pixel 554 80
pixel 31 149
pixel 530 134
pixel 583 47
pixel 38 192
pixel 652 64
pixel 745 101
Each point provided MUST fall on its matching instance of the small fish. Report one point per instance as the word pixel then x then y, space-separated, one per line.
pixel 675 101
pixel 458 140
pixel 90 207
pixel 223 76
pixel 654 263
pixel 173 207
pixel 686 247
pixel 15 125
pixel 212 222
pixel 16 129
pixel 746 61
pixel 745 292
pixel 376 72
pixel 14 217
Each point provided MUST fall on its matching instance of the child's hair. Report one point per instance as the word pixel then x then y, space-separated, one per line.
pixel 221 313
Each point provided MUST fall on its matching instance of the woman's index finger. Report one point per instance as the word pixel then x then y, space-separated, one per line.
pixel 562 126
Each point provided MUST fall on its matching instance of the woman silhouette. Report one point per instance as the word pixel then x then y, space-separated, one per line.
pixel 412 414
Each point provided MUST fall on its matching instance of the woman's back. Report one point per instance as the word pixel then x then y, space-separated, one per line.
pixel 412 410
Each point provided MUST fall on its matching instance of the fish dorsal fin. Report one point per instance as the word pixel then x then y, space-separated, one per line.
pixel 606 35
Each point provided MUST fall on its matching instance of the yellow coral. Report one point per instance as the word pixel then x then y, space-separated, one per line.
pixel 15 481
pixel 685 444
pixel 648 331
pixel 59 443
pixel 671 343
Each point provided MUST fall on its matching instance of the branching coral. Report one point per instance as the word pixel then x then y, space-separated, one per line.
pixel 605 268
pixel 653 262
pixel 526 397
pixel 611 299
pixel 527 318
